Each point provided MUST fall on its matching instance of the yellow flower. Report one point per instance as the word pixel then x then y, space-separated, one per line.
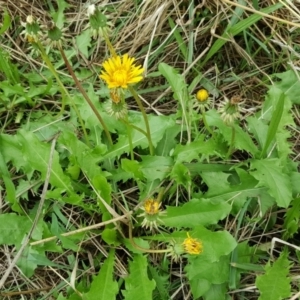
pixel 202 95
pixel 121 71
pixel 151 207
pixel 192 246
pixel 151 213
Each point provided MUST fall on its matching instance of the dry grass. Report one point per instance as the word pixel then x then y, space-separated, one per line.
pixel 140 29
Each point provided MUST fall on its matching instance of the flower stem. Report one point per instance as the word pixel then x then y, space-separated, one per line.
pixel 141 107
pixel 129 138
pixel 232 142
pixel 144 249
pixel 110 46
pixel 205 122
pixel 64 92
pixel 86 97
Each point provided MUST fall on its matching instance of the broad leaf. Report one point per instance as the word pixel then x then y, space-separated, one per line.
pixel 104 286
pixel 275 284
pixel 195 150
pixel 270 174
pixel 196 212
pixel 137 284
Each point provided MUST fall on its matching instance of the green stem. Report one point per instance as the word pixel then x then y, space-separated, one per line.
pixel 232 142
pixel 135 127
pixel 110 46
pixel 65 94
pixel 129 139
pixel 141 107
pixel 205 122
pixel 141 248
pixel 86 97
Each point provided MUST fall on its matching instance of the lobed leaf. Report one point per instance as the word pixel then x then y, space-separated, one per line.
pixel 103 285
pixel 137 284
pixel 275 284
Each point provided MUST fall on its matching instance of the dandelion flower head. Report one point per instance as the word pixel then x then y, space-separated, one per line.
pixel 202 95
pixel 192 246
pixel 119 72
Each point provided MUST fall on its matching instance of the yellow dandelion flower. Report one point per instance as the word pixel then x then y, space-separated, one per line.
pixel 151 207
pixel 121 71
pixel 202 95
pixel 192 246
pixel 151 213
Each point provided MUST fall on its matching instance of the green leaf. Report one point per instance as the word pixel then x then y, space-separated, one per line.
pixel 242 138
pixel 137 284
pixel 289 84
pixel 156 167
pixel 158 126
pixel 83 42
pixel 13 229
pixel 270 174
pixel 37 154
pixel 176 82
pixel 194 150
pixel 109 235
pixel 169 141
pixel 275 284
pixel 103 285
pixel 216 291
pixel 9 186
pixel 196 212
pixel 181 174
pixel 59 16
pixel 275 120
pixel 26 263
pixel 132 167
pixel 162 283
pixel 199 287
pixel 221 190
pixel 214 272
pixel 291 220
pixel 5 22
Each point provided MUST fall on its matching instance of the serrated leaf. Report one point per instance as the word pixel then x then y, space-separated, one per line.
pixel 181 174
pixel 133 167
pixel 158 126
pixel 162 282
pixel 275 283
pixel 196 212
pixel 216 291
pixel 242 139
pixel 137 284
pixel 9 186
pixel 13 228
pixel 214 272
pixel 289 84
pixel 83 42
pixel 168 142
pixel 26 264
pixel 270 174
pixel 275 120
pixel 103 285
pixel 37 154
pixel 194 150
pixel 156 167
pixel 175 80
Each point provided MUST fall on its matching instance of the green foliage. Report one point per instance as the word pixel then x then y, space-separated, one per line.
pixel 137 284
pixel 216 183
pixel 103 285
pixel 275 283
pixel 196 212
